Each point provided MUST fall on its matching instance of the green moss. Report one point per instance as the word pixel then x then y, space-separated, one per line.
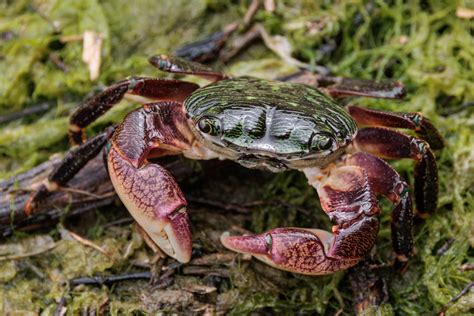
pixel 16 142
pixel 7 271
pixel 424 44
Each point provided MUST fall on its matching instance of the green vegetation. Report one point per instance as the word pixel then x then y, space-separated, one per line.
pixel 423 44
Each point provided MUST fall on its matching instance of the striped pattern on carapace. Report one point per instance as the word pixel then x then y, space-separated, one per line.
pixel 279 118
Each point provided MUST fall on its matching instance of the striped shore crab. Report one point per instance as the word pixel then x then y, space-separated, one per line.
pixel 264 124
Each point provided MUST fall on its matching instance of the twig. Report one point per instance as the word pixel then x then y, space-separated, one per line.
pixel 467 267
pixel 34 109
pixel 442 250
pixel 246 208
pixel 456 298
pixel 99 280
pixel 103 305
pixel 148 275
pixel 93 179
pixel 239 44
pixel 213 259
pixel 201 270
pixel 34 269
pixel 58 62
pixel 121 221
pixel 89 243
pixel 61 309
pixel 368 285
pixel 164 280
pixel 217 204
pixel 87 193
pixel 200 289
pixel 251 11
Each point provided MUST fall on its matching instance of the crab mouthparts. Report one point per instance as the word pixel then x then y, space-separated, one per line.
pixel 256 161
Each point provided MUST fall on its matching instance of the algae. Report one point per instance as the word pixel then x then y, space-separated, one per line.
pixel 423 44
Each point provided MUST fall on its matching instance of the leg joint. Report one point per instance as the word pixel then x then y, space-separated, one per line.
pixel 415 118
pixel 419 147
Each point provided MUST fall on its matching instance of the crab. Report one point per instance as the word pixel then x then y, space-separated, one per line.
pixel 269 125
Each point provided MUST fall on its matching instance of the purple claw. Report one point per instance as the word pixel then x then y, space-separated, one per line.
pixel 296 250
pixel 155 201
pixel 348 198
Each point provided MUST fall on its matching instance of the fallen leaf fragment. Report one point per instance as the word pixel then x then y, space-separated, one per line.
pixel 464 13
pixel 92 45
pixel 27 247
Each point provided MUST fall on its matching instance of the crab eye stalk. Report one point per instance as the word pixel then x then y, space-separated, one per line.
pixel 320 142
pixel 210 125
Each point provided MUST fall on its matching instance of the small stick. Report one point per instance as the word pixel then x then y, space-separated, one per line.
pixel 89 243
pixel 239 44
pixel 442 250
pixel 58 62
pixel 87 193
pixel 99 280
pixel 368 286
pixel 34 109
pixel 61 309
pixel 251 11
pixel 214 258
pixel 93 179
pixel 201 270
pixel 217 204
pixel 467 267
pixel 456 298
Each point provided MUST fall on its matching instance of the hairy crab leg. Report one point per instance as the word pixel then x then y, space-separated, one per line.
pixel 148 191
pixel 72 163
pixel 365 88
pixel 179 65
pixel 390 144
pixel 386 181
pixel 342 87
pixel 94 107
pixel 207 49
pixel 348 197
pixel 413 121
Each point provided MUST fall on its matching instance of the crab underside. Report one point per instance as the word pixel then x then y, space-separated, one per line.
pixel 285 131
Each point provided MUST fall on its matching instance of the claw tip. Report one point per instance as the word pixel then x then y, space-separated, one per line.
pixel 224 238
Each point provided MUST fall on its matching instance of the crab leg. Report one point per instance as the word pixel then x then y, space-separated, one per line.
pixel 344 87
pixel 72 163
pixel 348 197
pixel 390 144
pixel 179 65
pixel 94 107
pixel 341 87
pixel 386 181
pixel 413 121
pixel 148 191
pixel 209 48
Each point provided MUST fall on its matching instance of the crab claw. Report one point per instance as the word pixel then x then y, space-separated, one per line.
pixel 171 233
pixel 155 201
pixel 291 249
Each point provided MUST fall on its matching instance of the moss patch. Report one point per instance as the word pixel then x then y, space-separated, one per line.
pixel 423 44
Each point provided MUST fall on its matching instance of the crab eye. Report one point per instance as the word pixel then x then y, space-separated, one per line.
pixel 320 142
pixel 210 125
